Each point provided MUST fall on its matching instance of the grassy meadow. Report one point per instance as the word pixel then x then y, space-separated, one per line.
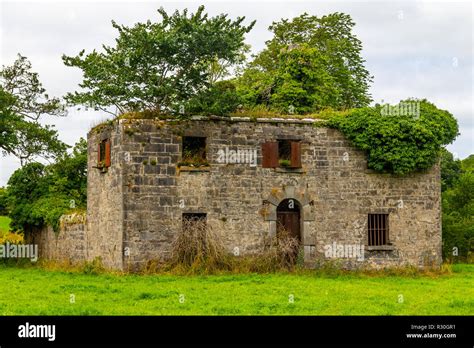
pixel 38 291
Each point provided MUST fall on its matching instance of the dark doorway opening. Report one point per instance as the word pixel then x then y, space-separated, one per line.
pixel 289 219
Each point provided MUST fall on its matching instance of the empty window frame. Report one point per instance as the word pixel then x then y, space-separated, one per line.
pixel 378 229
pixel 194 150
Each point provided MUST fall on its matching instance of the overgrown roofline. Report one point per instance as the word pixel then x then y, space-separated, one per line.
pixel 395 141
pixel 251 115
pixel 296 120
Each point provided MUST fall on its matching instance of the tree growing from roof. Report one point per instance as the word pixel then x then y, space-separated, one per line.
pixel 23 102
pixel 159 65
pixel 311 63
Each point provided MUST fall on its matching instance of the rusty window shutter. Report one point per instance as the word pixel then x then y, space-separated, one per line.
pixel 107 153
pixel 270 155
pixel 296 154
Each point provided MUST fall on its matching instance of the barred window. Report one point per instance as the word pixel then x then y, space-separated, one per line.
pixel 378 229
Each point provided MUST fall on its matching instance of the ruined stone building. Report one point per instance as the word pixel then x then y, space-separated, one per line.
pixel 247 178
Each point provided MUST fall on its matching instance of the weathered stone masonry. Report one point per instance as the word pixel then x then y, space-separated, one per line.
pixel 67 244
pixel 135 207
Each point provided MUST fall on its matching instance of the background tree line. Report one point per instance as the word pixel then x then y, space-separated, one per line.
pixel 457 177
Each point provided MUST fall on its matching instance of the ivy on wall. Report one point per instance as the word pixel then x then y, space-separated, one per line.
pixel 399 139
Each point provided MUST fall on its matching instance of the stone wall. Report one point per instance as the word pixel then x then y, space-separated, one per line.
pixel 135 209
pixel 104 232
pixel 68 244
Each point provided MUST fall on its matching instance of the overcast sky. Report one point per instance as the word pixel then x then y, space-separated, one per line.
pixel 413 49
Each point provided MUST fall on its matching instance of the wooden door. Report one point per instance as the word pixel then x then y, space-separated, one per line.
pixel 290 222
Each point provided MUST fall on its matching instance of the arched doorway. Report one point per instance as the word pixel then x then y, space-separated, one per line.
pixel 289 219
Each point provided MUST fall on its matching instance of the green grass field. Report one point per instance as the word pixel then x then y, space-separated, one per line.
pixel 4 224
pixel 35 291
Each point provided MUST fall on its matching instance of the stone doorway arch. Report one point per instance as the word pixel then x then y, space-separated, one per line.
pixel 306 210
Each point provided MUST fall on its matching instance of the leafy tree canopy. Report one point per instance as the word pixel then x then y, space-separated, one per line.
pixel 160 65
pixel 458 218
pixel 310 63
pixel 23 101
pixel 467 164
pixel 450 169
pixel 220 99
pixel 39 194
pixel 3 201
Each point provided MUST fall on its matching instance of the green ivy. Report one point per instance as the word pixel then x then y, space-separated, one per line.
pixel 398 144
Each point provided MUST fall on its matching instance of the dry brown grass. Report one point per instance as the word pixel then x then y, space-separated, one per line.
pixel 199 249
pixel 278 257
